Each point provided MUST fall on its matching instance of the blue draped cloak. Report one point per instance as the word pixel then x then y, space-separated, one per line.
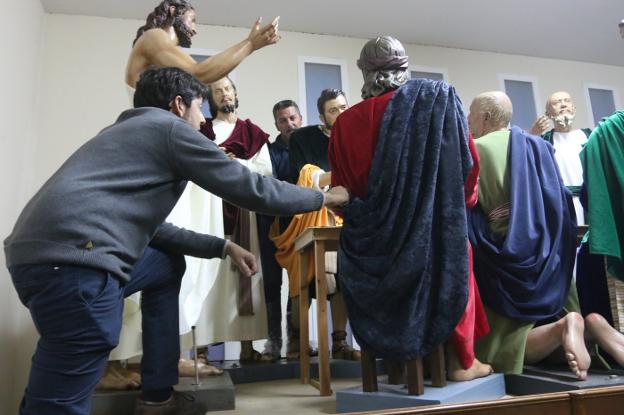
pixel 526 274
pixel 403 261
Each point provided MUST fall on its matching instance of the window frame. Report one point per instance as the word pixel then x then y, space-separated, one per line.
pixel 502 77
pixel 431 69
pixel 590 111
pixel 301 61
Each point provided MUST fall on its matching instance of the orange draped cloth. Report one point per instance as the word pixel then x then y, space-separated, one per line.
pixel 351 151
pixel 285 242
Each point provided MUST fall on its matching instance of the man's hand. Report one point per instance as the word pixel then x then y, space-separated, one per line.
pixel 244 260
pixel 336 197
pixel 230 155
pixel 325 179
pixel 541 125
pixel 265 35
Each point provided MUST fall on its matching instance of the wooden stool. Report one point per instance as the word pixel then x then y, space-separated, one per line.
pixel 414 368
pixel 317 240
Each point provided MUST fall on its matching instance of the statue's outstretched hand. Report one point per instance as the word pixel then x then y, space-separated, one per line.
pixel 541 126
pixel 261 36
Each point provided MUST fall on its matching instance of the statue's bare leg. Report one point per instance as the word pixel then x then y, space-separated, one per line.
pixel 566 332
pixel 457 373
pixel 608 338
pixel 574 345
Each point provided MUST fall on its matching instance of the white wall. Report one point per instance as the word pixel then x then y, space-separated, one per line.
pixel 21 40
pixel 60 93
pixel 83 88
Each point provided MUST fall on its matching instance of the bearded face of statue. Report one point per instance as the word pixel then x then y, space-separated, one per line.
pixel 223 97
pixel 184 26
pixel 561 109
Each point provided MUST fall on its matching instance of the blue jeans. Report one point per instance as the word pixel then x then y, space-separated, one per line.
pixel 271 270
pixel 78 313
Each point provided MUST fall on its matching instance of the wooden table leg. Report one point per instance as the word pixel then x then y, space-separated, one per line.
pixel 394 368
pixel 437 367
pixel 369 372
pixel 321 316
pixel 304 300
pixel 415 378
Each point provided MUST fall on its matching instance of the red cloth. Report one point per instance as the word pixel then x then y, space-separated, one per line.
pixel 473 323
pixel 244 142
pixel 351 150
pixel 353 141
pixel 471 187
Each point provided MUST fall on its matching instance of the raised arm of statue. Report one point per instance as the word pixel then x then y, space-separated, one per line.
pixel 541 125
pixel 155 47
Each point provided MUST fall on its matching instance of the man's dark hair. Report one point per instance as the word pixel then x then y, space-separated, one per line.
pixel 328 95
pixel 157 87
pixel 161 18
pixel 283 104
pixel 214 107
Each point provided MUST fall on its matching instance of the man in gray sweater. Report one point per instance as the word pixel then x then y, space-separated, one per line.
pixel 94 233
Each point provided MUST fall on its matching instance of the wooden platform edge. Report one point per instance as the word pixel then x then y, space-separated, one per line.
pixel 603 401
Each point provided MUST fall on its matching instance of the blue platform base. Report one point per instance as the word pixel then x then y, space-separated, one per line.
pixel 395 396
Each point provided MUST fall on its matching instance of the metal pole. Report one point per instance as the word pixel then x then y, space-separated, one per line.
pixel 195 357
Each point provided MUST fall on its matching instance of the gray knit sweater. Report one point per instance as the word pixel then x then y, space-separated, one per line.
pixel 108 201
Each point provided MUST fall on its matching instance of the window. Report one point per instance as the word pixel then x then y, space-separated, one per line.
pixel 521 91
pixel 315 75
pixel 201 55
pixel 601 102
pixel 437 74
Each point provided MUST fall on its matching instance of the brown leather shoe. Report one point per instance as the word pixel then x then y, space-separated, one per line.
pixel 178 404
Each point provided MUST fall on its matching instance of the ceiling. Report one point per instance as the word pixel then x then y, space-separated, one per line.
pixel 577 30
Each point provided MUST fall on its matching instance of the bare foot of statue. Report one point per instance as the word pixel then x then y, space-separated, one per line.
pixel 132 374
pixel 607 337
pixel 186 368
pixel 457 373
pixel 116 377
pixel 573 343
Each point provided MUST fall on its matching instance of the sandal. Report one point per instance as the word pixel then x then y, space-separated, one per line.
pixel 341 349
pixel 117 378
pixel 271 352
pixel 253 357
